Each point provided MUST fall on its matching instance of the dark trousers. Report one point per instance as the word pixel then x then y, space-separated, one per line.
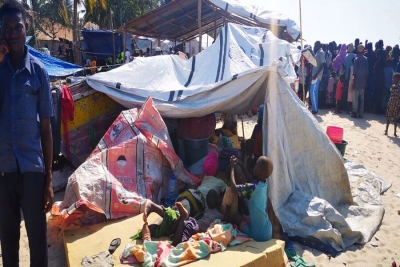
pixel 22 192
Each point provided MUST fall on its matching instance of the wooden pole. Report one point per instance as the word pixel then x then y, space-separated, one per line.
pixel 78 48
pixel 241 117
pixel 75 30
pixel 215 25
pixel 124 46
pixel 199 22
pixel 302 59
pixel 113 46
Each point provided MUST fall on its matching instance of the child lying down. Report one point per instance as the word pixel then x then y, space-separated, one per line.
pixel 178 222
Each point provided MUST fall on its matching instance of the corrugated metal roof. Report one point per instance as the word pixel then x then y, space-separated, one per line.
pixel 177 20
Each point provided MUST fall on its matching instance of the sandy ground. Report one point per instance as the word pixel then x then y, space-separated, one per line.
pixel 368 146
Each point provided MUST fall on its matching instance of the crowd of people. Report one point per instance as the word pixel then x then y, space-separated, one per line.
pixel 351 78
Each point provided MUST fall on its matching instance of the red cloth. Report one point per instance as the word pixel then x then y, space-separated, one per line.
pixel 67 112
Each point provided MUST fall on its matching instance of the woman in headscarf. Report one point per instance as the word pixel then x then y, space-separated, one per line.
pixel 339 59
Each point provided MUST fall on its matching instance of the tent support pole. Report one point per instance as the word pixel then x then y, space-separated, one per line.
pixel 124 60
pixel 199 22
pixel 302 60
pixel 215 25
pixel 113 47
pixel 241 118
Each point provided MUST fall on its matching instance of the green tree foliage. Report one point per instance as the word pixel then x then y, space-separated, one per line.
pixel 117 12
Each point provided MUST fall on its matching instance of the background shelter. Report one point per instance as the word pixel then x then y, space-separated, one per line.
pixel 102 44
pixel 181 20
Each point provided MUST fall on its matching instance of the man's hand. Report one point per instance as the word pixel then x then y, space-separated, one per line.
pixel 4 49
pixel 48 195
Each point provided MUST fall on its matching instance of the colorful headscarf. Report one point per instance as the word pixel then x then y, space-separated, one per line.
pixel 210 166
pixel 339 59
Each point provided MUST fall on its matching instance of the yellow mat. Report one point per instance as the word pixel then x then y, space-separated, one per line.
pixel 88 241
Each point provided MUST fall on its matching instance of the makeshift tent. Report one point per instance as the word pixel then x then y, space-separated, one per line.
pixel 56 68
pixel 310 185
pixel 102 44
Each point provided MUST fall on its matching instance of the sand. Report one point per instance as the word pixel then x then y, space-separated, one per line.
pixel 367 146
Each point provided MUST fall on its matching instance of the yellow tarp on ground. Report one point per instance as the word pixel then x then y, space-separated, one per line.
pixel 88 241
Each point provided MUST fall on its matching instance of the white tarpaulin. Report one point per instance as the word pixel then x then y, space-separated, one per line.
pixel 225 76
pixel 310 188
pixel 313 193
pixel 260 13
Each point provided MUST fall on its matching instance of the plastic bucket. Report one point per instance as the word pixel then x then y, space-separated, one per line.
pixel 341 147
pixel 335 134
pixel 195 149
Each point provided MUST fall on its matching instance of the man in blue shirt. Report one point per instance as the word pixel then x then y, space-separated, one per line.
pixel 26 147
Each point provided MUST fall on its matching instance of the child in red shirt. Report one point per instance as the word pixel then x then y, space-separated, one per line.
pixel 339 93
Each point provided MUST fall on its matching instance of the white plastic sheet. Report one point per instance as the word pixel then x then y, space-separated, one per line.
pixel 313 193
pixel 260 13
pixel 226 77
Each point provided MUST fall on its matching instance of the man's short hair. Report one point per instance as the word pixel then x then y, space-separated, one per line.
pixel 397 75
pixel 12 7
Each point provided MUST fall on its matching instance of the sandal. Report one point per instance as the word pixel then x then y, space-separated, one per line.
pixel 114 245
pixel 297 261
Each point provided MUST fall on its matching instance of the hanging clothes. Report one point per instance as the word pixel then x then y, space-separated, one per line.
pixel 67 113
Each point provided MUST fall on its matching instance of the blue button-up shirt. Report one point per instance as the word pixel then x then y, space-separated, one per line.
pixel 25 99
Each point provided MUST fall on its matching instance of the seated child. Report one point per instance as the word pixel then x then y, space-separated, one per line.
pixel 178 222
pixel 229 130
pixel 232 203
pixel 259 228
pixel 339 93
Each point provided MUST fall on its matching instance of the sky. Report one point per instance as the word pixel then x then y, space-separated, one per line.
pixel 342 20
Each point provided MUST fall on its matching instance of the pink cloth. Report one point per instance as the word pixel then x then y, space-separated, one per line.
pixel 339 59
pixel 210 166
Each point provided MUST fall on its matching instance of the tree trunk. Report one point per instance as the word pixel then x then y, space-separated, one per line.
pixel 75 24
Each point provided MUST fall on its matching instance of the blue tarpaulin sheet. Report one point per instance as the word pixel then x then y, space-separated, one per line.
pixel 100 43
pixel 56 68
